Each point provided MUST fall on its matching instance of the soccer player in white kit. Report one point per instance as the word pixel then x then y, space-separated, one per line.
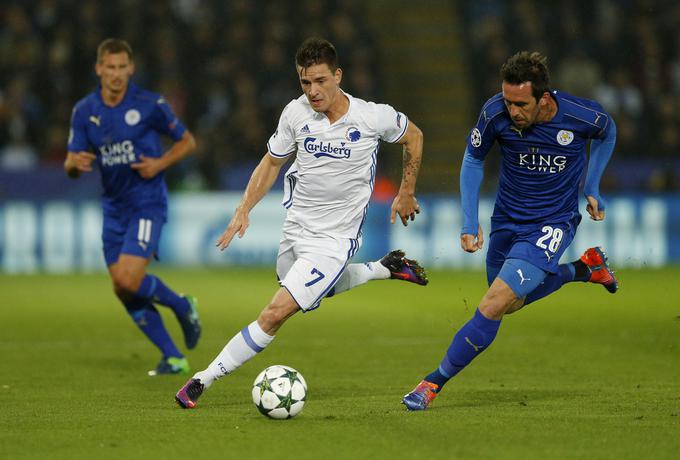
pixel 334 138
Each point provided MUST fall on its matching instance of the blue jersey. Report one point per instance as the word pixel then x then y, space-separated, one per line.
pixel 541 165
pixel 118 136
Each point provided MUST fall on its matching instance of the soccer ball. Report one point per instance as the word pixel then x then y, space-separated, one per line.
pixel 279 392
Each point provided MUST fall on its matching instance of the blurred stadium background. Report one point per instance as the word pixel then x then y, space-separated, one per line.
pixel 227 70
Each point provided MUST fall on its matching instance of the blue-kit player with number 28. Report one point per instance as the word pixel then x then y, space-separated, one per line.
pixel 119 126
pixel 543 136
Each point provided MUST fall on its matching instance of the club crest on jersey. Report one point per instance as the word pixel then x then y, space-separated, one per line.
pixel 326 149
pixel 476 138
pixel 132 117
pixel 352 134
pixel 565 137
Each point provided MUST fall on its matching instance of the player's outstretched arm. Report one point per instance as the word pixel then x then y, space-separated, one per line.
pixel 260 182
pixel 405 203
pixel 149 167
pixel 600 152
pixel 471 176
pixel 78 162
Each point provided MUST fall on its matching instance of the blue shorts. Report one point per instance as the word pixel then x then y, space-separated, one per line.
pixel 137 234
pixel 540 244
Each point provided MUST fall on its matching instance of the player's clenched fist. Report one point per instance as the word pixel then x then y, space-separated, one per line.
pixel 471 243
pixel 593 208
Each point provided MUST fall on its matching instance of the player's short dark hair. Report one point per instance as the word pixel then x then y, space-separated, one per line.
pixel 528 66
pixel 315 51
pixel 113 46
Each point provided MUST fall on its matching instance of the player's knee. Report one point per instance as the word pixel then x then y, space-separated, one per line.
pixel 273 315
pixel 498 300
pixel 494 308
pixel 125 283
pixel 516 306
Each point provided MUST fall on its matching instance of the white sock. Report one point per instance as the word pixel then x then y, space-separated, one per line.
pixel 241 348
pixel 358 274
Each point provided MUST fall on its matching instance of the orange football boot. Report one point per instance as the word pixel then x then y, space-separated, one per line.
pixel 600 273
pixel 421 396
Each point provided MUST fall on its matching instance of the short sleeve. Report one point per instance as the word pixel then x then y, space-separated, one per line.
pixel 282 142
pixel 390 124
pixel 77 135
pixel 482 136
pixel 163 120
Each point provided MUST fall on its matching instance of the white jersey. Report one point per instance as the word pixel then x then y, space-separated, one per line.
pixel 328 187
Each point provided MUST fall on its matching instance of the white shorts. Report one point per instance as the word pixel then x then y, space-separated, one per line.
pixel 308 265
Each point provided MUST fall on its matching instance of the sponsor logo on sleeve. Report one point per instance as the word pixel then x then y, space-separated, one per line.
pixel 476 138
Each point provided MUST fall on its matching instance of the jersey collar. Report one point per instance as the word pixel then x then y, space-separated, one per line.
pixel 350 100
pixel 321 116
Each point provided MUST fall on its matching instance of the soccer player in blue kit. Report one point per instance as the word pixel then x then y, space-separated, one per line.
pixel 543 135
pixel 122 124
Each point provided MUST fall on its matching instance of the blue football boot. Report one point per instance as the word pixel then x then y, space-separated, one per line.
pixel 171 365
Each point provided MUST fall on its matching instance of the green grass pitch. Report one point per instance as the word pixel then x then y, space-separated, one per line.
pixel 581 374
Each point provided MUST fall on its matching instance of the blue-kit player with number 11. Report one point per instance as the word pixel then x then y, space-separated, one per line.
pixel 543 136
pixel 119 126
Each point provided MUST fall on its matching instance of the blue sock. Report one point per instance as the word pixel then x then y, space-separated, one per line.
pixel 153 289
pixel 552 283
pixel 149 321
pixel 470 340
